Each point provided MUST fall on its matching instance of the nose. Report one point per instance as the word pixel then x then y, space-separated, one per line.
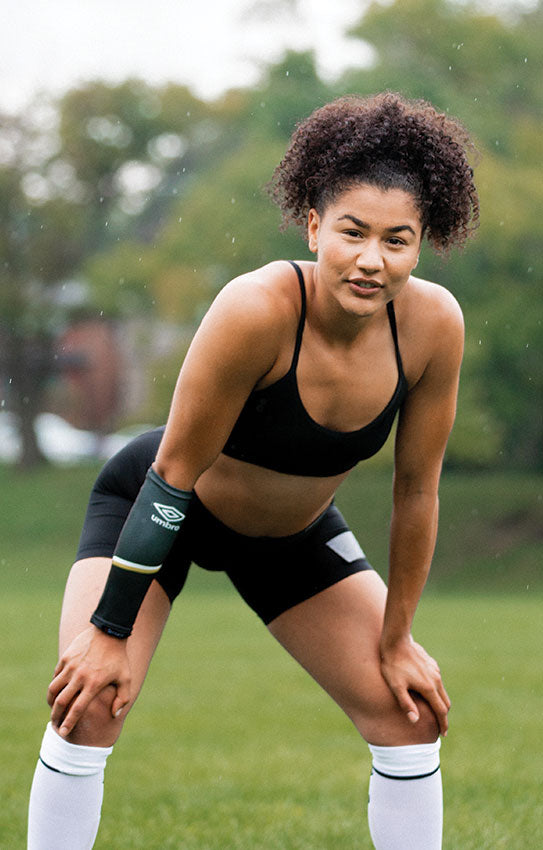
pixel 370 258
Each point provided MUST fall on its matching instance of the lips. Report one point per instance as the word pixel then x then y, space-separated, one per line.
pixel 365 284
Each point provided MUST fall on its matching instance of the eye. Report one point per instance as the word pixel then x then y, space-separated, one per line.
pixel 396 241
pixel 353 233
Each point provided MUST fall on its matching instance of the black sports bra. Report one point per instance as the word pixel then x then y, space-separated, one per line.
pixel 275 431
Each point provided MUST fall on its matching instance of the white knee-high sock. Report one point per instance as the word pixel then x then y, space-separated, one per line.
pixel 66 795
pixel 405 809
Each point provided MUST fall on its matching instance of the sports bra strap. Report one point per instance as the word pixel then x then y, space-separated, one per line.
pixel 301 323
pixel 394 331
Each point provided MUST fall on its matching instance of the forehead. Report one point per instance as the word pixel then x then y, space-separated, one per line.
pixel 375 206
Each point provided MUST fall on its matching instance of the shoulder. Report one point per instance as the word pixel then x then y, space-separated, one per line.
pixel 430 326
pixel 434 303
pixel 252 315
pixel 265 296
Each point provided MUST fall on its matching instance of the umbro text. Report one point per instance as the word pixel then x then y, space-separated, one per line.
pixel 167 525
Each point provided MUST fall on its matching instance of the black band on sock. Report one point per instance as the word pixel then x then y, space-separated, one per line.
pixel 48 766
pixel 420 775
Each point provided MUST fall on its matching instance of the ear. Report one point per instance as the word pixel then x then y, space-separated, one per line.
pixel 313 222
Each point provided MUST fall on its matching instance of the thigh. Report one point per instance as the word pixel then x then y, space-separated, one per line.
pixel 335 636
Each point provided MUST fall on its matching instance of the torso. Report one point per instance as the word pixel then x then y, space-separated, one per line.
pixel 335 392
pixel 275 430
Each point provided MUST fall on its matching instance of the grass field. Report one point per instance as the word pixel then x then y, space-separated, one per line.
pixel 231 745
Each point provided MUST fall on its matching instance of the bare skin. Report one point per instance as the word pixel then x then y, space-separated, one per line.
pixel 354 638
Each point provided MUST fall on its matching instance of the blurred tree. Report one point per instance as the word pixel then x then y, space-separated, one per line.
pixel 76 180
pixel 130 200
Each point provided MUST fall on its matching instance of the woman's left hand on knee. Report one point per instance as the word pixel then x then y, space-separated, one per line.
pixel 406 667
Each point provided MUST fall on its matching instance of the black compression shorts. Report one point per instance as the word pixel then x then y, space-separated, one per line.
pixel 272 574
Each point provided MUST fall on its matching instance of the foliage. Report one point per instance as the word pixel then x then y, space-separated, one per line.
pixel 129 200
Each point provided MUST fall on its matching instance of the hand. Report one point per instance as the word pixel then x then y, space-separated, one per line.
pixel 93 661
pixel 406 667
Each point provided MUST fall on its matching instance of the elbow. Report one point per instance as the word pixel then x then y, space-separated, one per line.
pixel 176 470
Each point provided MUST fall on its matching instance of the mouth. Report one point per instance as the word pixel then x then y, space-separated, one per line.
pixel 364 285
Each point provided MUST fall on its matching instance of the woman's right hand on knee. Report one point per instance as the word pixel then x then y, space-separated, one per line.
pixel 93 661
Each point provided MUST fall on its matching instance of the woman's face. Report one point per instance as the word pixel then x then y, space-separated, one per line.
pixel 367 243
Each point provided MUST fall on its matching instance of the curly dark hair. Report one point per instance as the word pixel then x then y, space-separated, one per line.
pixel 386 141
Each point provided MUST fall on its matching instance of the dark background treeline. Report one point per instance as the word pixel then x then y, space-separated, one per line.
pixel 124 209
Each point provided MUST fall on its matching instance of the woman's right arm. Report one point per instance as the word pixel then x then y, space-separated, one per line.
pixel 236 344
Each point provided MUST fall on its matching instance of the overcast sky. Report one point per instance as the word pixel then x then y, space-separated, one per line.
pixel 211 45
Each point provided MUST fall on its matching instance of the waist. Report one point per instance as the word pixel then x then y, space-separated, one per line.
pixel 259 502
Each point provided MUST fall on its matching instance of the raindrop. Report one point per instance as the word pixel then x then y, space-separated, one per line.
pixel 232 200
pixel 288 72
pixel 233 239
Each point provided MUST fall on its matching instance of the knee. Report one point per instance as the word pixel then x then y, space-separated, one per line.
pixel 381 721
pixel 97 727
pixel 427 726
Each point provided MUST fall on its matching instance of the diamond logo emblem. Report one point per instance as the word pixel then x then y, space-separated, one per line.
pixel 169 513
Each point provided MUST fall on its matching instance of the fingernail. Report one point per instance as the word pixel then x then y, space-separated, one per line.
pixel 412 716
pixel 118 712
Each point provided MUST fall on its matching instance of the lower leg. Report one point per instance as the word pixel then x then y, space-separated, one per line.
pixel 67 790
pixel 405 809
pixel 66 795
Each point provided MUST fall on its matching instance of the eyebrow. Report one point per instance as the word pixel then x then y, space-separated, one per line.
pixel 396 229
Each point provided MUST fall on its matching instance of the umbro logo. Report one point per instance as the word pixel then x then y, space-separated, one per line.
pixel 170 516
pixel 169 513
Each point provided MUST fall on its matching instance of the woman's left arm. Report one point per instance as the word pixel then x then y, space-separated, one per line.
pixel 423 429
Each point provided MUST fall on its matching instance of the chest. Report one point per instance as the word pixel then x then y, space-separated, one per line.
pixel 345 388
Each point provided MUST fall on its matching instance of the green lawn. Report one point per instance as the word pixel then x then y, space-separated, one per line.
pixel 231 745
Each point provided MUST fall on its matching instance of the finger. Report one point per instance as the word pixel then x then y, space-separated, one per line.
pixel 75 712
pixel 122 698
pixel 407 704
pixel 59 667
pixel 440 709
pixel 62 702
pixel 58 683
pixel 444 695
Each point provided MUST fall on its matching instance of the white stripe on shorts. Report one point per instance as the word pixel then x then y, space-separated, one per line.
pixel 346 546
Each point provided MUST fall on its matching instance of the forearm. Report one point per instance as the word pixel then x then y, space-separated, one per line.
pixel 145 541
pixel 412 542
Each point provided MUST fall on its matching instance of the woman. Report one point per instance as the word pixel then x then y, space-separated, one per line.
pixel 295 374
